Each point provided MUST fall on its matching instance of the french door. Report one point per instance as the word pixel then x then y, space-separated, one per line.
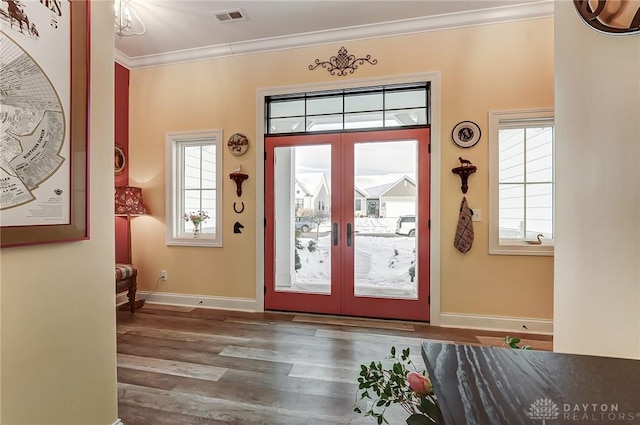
pixel 347 223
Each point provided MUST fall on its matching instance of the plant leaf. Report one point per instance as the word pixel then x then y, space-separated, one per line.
pixel 430 409
pixel 417 419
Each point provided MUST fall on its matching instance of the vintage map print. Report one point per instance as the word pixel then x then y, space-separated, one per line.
pixel 35 183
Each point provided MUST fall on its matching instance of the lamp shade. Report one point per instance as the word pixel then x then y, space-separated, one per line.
pixel 128 201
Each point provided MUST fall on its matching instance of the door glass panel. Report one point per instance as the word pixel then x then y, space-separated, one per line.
pixel 324 122
pixel 286 108
pixel 302 215
pixel 287 125
pixel 363 102
pixel 324 105
pixel 385 179
pixel 363 120
pixel 402 117
pixel 405 99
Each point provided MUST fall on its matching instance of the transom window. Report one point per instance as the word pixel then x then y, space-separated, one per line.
pixel 194 165
pixel 521 145
pixel 400 105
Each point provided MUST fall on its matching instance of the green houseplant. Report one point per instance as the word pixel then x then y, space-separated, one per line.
pixel 410 389
pixel 513 343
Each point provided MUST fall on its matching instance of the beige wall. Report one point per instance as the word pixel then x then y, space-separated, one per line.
pixel 597 270
pixel 57 305
pixel 483 68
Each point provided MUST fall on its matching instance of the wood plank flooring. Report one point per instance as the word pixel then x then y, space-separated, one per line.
pixel 181 365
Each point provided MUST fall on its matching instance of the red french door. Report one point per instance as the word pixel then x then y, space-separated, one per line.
pixel 347 223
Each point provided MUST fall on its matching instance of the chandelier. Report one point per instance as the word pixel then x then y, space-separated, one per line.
pixel 124 17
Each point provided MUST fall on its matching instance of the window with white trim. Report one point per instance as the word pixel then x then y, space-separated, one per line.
pixel 521 182
pixel 194 184
pixel 353 109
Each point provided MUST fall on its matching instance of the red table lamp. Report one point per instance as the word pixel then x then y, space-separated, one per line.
pixel 129 202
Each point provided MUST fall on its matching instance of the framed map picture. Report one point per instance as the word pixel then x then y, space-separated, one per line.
pixel 44 82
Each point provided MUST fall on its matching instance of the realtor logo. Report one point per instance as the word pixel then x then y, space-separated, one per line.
pixel 543 409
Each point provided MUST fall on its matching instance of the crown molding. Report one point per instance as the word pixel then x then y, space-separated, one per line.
pixel 541 9
pixel 122 59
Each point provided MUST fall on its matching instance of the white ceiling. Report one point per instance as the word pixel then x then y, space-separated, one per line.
pixel 179 28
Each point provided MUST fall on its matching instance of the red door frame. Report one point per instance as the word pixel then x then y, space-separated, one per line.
pixel 296 301
pixel 342 299
pixel 391 308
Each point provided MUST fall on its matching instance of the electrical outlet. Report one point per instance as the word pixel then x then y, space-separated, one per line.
pixel 477 214
pixel 163 275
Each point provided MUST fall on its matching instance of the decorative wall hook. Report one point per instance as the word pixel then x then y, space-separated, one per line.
pixel 342 62
pixel 465 169
pixel 238 177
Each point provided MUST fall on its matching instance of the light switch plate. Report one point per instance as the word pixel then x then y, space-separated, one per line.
pixel 477 214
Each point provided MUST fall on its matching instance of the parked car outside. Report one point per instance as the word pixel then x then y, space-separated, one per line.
pixel 406 225
pixel 304 224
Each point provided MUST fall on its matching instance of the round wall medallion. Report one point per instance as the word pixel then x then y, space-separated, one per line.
pixel 238 144
pixel 610 17
pixel 119 160
pixel 466 134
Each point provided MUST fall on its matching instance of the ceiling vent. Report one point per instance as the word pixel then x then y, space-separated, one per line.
pixel 230 15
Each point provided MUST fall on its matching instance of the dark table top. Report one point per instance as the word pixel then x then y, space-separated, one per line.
pixel 493 385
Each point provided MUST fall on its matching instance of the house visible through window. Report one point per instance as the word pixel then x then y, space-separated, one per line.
pixel 521 182
pixel 194 161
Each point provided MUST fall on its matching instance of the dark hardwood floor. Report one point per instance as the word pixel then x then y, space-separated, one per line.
pixel 179 365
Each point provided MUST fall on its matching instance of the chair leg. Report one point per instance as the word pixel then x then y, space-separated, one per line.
pixel 132 294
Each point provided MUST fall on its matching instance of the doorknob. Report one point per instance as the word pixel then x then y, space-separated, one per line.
pixel 335 234
pixel 349 234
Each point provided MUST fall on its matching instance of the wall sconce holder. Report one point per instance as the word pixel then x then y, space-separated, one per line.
pixel 464 171
pixel 238 178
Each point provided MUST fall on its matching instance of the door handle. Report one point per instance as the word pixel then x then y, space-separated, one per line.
pixel 335 234
pixel 349 234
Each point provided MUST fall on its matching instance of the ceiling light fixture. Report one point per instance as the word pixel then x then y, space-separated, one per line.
pixel 124 16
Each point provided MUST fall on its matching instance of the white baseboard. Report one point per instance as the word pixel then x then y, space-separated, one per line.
pixel 118 422
pixel 447 320
pixel 202 301
pixel 121 298
pixel 497 323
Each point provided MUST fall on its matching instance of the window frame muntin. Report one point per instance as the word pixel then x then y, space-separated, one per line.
pixel 342 93
pixel 498 246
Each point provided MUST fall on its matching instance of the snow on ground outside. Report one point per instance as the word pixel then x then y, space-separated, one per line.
pixel 382 258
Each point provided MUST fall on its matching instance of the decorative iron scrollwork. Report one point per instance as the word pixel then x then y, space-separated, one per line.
pixel 342 63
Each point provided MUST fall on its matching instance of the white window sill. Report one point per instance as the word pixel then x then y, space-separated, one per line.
pixel 521 248
pixel 202 241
